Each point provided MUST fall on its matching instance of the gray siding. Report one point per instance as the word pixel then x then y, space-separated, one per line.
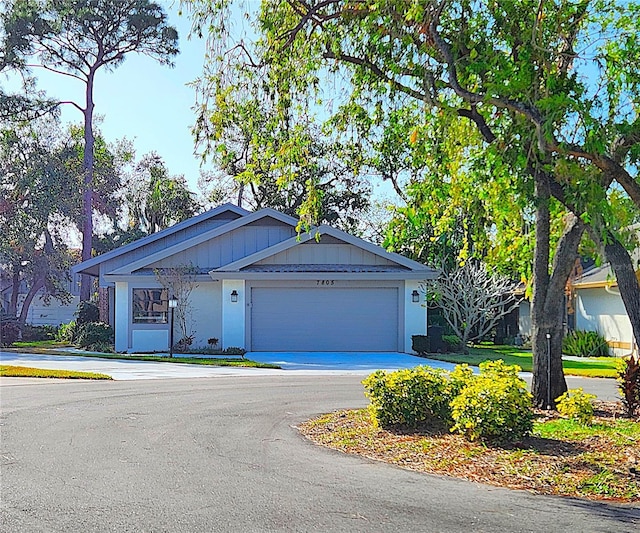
pixel 229 247
pixel 166 242
pixel 325 254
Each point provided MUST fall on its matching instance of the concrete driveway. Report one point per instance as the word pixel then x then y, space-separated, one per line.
pixel 291 363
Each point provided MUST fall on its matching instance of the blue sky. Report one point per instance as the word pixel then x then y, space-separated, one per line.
pixel 148 103
pixel 144 101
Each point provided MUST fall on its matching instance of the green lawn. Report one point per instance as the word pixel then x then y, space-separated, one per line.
pixel 28 372
pixel 53 348
pixel 594 367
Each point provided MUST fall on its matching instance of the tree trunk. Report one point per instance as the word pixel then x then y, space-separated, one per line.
pixel 24 311
pixel 15 291
pixel 628 284
pixel 548 306
pixel 87 196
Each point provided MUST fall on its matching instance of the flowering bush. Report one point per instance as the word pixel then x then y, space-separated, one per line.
pixel 576 404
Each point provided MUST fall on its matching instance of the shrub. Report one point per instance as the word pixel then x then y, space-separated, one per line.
pixel 67 332
pixel 183 344
pixel 9 331
pixel 585 344
pixel 576 404
pixel 452 342
pixel 234 350
pixel 94 333
pixel 494 404
pixel 87 312
pixel 629 384
pixel 410 397
pixel 39 333
pixel 103 347
pixel 420 344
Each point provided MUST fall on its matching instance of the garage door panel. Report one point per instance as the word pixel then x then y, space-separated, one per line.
pixel 324 319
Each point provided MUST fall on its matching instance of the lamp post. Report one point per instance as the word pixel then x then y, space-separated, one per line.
pixel 173 303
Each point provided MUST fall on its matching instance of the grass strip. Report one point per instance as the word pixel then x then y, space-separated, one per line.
pixel 28 372
pixel 594 367
pixel 53 348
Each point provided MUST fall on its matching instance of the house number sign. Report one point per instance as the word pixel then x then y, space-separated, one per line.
pixel 325 282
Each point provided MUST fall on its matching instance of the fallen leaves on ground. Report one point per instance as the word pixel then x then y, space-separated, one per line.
pixel 598 462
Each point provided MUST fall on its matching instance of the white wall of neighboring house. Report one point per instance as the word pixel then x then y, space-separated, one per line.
pixel 524 318
pixel 54 312
pixel 601 309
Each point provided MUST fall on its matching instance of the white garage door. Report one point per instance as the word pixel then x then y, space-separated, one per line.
pixel 324 319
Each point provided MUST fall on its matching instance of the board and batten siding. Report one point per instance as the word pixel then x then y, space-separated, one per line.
pixel 315 253
pixel 161 244
pixel 229 247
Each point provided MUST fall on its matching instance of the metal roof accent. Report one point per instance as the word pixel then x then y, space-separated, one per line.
pixel 324 268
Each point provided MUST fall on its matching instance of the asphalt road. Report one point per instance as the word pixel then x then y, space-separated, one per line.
pixel 223 454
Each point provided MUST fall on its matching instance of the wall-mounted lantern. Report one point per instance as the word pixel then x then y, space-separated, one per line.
pixel 415 297
pixel 234 296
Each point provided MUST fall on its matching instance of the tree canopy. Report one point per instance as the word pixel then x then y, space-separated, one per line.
pixel 77 38
pixel 552 89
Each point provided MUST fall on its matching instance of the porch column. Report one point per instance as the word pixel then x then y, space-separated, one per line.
pixel 415 313
pixel 122 316
pixel 233 313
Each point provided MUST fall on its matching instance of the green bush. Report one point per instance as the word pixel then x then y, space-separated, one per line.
pixel 67 332
pixel 9 331
pixel 103 347
pixel 234 350
pixel 409 397
pixel 452 342
pixel 39 333
pixel 494 404
pixel 420 344
pixel 585 344
pixel 94 333
pixel 576 404
pixel 87 312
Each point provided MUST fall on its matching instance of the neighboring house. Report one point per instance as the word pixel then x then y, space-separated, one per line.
pixel 40 312
pixel 263 287
pixel 599 307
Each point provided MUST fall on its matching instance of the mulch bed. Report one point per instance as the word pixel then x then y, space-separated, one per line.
pixel 598 466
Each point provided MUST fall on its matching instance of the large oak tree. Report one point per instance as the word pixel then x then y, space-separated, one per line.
pixel 551 86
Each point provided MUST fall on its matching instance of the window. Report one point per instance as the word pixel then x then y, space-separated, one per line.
pixel 150 306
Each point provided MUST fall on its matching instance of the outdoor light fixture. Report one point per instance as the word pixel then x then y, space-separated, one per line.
pixel 173 303
pixel 234 296
pixel 415 297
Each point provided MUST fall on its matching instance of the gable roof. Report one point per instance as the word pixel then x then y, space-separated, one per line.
pixel 203 237
pixel 89 265
pixel 400 262
pixel 598 277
